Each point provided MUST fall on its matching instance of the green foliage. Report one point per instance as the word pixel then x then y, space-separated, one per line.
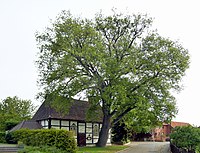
pixel 142 120
pixel 10 138
pixel 197 149
pixel 117 61
pixel 120 133
pixel 60 139
pixel 9 124
pixel 14 110
pixel 42 149
pixel 186 137
pixel 2 137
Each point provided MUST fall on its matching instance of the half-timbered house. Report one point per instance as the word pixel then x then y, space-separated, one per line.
pixel 86 132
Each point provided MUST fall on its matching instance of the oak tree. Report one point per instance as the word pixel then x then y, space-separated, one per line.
pixel 117 61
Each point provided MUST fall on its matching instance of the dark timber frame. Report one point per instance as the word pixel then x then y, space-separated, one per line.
pixel 85 132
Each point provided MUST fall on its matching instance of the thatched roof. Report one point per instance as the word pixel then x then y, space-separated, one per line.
pixel 27 125
pixel 77 112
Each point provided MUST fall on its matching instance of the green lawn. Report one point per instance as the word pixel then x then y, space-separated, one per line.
pixel 107 149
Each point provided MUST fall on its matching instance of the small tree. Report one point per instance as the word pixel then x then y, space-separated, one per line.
pixel 13 110
pixel 115 61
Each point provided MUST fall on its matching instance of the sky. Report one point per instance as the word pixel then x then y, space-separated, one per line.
pixel 21 19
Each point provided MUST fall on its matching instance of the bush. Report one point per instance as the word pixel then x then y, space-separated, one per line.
pixel 2 137
pixel 186 138
pixel 10 124
pixel 120 134
pixel 197 149
pixel 60 139
pixel 10 139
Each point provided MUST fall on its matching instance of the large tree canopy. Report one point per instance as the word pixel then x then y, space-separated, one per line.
pixel 14 110
pixel 116 61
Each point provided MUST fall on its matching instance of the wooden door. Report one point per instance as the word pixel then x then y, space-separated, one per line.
pixel 81 139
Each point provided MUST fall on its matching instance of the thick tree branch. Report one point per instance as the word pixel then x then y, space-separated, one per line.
pixel 122 115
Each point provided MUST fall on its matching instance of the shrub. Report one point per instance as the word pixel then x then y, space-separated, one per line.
pixel 10 124
pixel 10 139
pixel 2 137
pixel 60 139
pixel 198 149
pixel 120 133
pixel 186 138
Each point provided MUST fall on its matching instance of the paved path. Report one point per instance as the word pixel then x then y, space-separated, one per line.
pixel 8 148
pixel 148 147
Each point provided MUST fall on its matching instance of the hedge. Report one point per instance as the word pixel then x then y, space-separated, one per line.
pixel 2 137
pixel 60 139
pixel 187 138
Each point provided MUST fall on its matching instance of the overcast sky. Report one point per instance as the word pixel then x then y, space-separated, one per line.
pixel 20 19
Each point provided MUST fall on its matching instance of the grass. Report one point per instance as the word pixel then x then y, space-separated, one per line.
pixel 107 149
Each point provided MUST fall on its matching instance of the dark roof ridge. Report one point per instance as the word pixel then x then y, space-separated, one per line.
pixel 23 123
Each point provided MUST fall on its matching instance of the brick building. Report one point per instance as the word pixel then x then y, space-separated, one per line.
pixel 162 133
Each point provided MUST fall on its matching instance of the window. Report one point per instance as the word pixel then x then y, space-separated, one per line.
pixel 96 130
pixel 65 123
pixel 55 122
pixel 44 123
pixel 81 127
pixel 89 124
pixel 73 128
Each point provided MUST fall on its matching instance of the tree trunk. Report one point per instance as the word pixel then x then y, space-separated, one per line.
pixel 103 135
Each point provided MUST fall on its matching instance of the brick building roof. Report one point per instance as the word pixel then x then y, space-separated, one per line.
pixel 175 124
